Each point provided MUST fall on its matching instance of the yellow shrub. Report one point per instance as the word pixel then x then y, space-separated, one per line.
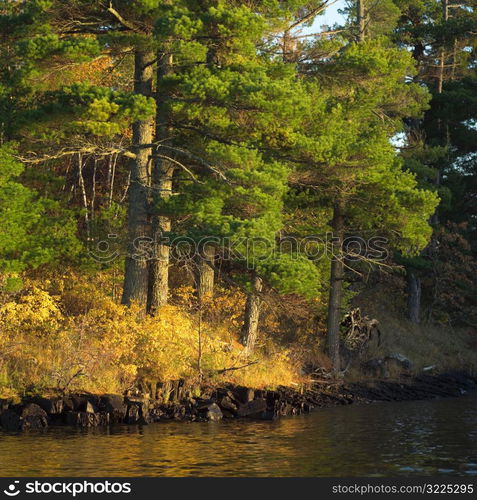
pixel 68 334
pixel 35 311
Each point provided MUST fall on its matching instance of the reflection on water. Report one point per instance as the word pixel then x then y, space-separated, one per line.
pixel 423 437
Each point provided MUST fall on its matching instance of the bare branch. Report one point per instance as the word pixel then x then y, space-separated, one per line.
pixel 179 164
pixel 32 159
pixel 120 18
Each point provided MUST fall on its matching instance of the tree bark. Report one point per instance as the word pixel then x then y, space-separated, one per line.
pixel 414 297
pixel 136 269
pixel 336 287
pixel 204 272
pixel 162 183
pixel 361 20
pixel 442 54
pixel 252 316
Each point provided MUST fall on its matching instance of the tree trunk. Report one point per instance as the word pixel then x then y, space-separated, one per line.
pixel 159 264
pixel 162 183
pixel 136 269
pixel 414 297
pixel 361 20
pixel 442 54
pixel 252 316
pixel 336 287
pixel 205 272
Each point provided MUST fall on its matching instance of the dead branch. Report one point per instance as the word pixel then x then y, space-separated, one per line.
pixel 220 372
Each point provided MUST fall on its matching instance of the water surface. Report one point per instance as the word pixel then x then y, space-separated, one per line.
pixel 385 439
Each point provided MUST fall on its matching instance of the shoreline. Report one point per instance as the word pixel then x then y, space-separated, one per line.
pixel 175 401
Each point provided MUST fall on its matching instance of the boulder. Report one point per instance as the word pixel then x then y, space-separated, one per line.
pixel 86 419
pixel 226 403
pixel 85 403
pixel 114 405
pixel 24 418
pixel 398 359
pixel 252 409
pixel 244 395
pixel 53 405
pixel 10 421
pixel 137 414
pixel 33 417
pixel 213 413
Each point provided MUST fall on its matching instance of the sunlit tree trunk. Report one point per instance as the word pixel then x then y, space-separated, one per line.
pixel 204 272
pixel 136 268
pixel 252 316
pixel 162 184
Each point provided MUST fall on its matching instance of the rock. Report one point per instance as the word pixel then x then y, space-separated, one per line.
pixel 53 405
pixel 114 405
pixel 111 402
pixel 252 409
pixel 244 394
pixel 157 413
pixel 399 359
pixel 228 414
pixel 137 414
pixel 213 413
pixel 34 417
pixel 68 404
pixel 10 421
pixel 86 419
pixel 85 403
pixel 226 403
pixel 133 414
pixel 88 408
pixel 24 418
pixel 268 415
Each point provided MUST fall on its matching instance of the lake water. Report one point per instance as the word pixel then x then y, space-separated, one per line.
pixel 384 439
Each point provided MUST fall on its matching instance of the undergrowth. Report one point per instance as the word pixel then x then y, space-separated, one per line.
pixel 67 334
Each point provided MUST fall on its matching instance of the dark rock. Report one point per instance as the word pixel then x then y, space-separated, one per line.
pixel 137 414
pixel 399 359
pixel 68 404
pixel 179 412
pixel 133 414
pixel 22 418
pixel 203 404
pixel 268 415
pixel 86 419
pixel 53 405
pixel 34 417
pixel 157 413
pixel 114 405
pixel 226 403
pixel 213 413
pixel 111 402
pixel 244 394
pixel 252 409
pixel 228 414
pixel 85 403
pixel 10 421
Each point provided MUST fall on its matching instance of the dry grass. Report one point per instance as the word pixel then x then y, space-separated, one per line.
pixel 426 344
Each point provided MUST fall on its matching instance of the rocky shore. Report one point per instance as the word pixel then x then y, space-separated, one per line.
pixel 179 401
